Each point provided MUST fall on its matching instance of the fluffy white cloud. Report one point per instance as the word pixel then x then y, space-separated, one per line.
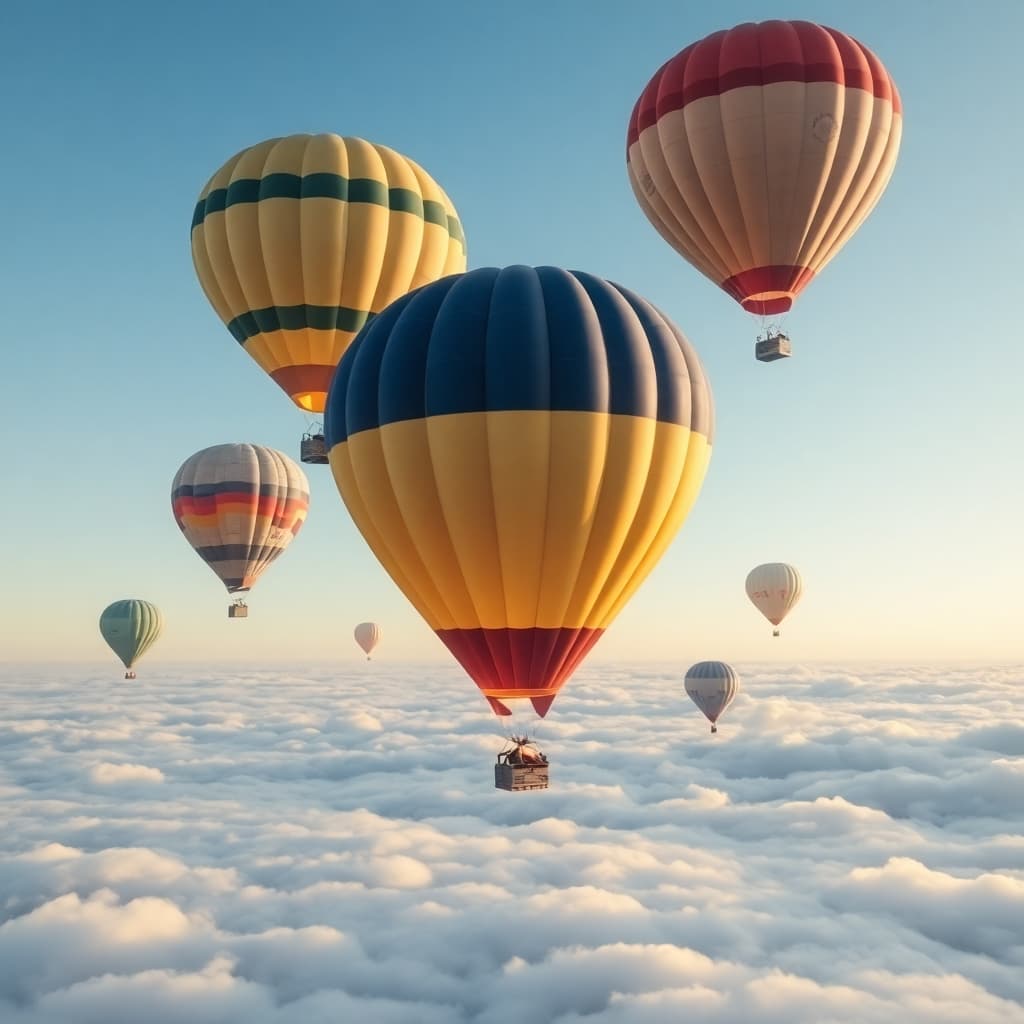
pixel 322 847
pixel 981 914
pixel 107 773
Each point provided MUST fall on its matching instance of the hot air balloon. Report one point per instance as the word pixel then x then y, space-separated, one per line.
pixel 758 151
pixel 519 447
pixel 367 635
pixel 774 589
pixel 130 628
pixel 298 241
pixel 239 506
pixel 712 686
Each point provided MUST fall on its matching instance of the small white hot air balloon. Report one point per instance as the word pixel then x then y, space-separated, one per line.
pixel 712 686
pixel 774 589
pixel 367 635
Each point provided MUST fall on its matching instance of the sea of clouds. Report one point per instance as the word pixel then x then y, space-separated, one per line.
pixel 326 846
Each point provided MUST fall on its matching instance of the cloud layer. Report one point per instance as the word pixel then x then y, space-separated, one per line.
pixel 319 846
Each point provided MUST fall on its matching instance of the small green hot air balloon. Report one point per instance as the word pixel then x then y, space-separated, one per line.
pixel 130 628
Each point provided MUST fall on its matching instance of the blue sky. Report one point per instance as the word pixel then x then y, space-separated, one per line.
pixel 883 459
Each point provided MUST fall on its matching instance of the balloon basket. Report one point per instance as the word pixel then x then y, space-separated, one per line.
pixel 516 778
pixel 313 449
pixel 238 611
pixel 521 766
pixel 772 347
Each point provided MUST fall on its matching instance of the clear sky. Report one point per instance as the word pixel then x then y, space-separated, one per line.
pixel 884 459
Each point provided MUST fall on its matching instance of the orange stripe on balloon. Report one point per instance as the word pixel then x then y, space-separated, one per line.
pixel 266 506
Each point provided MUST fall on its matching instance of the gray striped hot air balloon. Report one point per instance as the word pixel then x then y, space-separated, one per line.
pixel 239 506
pixel 712 686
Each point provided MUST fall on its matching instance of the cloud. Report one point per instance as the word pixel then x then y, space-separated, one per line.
pixel 980 914
pixel 104 774
pixel 69 940
pixel 320 847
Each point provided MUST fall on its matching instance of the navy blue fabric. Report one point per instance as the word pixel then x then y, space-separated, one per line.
pixel 456 365
pixel 576 342
pixel 361 361
pixel 228 552
pixel 517 348
pixel 672 377
pixel 627 361
pixel 236 487
pixel 519 338
pixel 403 381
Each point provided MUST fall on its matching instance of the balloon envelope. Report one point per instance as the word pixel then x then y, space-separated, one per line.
pixel 774 588
pixel 758 151
pixel 239 506
pixel 367 635
pixel 712 686
pixel 130 627
pixel 519 447
pixel 297 241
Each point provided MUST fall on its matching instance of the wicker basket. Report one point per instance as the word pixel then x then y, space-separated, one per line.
pixel 775 347
pixel 313 449
pixel 517 777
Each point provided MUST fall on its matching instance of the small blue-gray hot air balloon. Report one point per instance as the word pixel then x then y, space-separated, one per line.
pixel 712 685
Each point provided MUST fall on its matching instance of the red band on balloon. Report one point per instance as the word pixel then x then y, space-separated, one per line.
pixel 758 55
pixel 525 661
pixel 298 380
pixel 757 289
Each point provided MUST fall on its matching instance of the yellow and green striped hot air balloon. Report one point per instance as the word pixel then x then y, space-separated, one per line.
pixel 298 241
pixel 130 628
pixel 519 447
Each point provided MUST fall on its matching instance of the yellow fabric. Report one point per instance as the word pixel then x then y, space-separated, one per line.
pixel 524 518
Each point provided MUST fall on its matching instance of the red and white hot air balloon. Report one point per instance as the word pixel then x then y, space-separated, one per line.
pixel 758 151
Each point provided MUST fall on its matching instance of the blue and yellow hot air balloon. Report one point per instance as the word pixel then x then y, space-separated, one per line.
pixel 298 241
pixel 130 627
pixel 519 447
